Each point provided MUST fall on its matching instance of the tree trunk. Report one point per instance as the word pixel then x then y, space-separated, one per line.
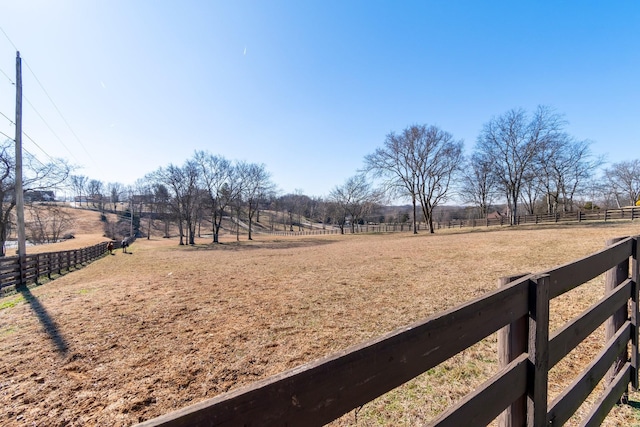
pixel 3 238
pixel 192 232
pixel 415 220
pixel 216 226
pixel 181 231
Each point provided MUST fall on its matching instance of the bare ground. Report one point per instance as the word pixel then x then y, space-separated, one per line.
pixel 133 336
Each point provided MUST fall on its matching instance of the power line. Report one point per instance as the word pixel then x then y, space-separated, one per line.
pixel 61 115
pixel 50 128
pixel 5 116
pixel 10 121
pixel 2 133
pixel 7 37
pixel 38 113
pixel 7 76
pixel 30 139
pixel 33 157
pixel 40 148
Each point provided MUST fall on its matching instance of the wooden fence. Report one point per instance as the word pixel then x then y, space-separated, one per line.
pixel 629 213
pixel 37 266
pixel 321 391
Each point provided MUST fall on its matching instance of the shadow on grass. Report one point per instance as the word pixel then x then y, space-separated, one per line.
pixel 613 224
pixel 634 404
pixel 49 325
pixel 271 244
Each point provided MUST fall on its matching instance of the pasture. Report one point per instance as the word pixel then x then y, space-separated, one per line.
pixel 133 336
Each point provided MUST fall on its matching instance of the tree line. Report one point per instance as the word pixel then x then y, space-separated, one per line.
pixel 521 161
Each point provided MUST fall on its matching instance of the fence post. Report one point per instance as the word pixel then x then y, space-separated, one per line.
pixel 614 277
pixel 22 260
pixel 512 342
pixel 635 276
pixel 37 267
pixel 537 383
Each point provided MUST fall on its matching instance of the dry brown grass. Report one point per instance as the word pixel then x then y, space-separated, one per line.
pixel 87 230
pixel 134 336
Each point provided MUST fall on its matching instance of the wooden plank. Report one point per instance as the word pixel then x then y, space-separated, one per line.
pixel 10 275
pixel 609 398
pixel 30 261
pixel 492 397
pixel 10 267
pixel 573 333
pixel 321 391
pixel 11 281
pixel 538 352
pixel 31 258
pixel 29 274
pixel 8 283
pixel 568 402
pixel 568 276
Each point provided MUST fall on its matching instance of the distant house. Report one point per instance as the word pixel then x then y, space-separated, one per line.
pixel 498 215
pixel 39 196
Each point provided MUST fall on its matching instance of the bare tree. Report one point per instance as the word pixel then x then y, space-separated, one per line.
pixel 162 203
pixel 115 191
pixel 564 168
pixel 355 199
pixel 511 143
pixel 479 184
pixel 47 223
pixel 78 186
pixel 37 176
pixel 221 180
pixel 394 164
pixel 95 191
pixel 624 181
pixel 294 206
pixel 580 167
pixel 143 201
pixel 420 163
pixel 336 214
pixel 531 190
pixel 256 183
pixel 182 184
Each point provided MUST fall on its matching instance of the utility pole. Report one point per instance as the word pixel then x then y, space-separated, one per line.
pixel 19 194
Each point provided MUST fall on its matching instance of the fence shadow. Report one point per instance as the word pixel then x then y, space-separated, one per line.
pixel 265 244
pixel 49 325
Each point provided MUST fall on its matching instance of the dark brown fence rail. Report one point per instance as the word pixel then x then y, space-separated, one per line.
pixel 629 213
pixel 37 266
pixel 321 391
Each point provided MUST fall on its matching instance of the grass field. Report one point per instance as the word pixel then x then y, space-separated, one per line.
pixel 133 336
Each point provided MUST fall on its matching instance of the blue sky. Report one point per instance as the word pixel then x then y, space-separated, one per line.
pixel 307 87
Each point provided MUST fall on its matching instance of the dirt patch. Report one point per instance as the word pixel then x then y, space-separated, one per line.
pixel 131 337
